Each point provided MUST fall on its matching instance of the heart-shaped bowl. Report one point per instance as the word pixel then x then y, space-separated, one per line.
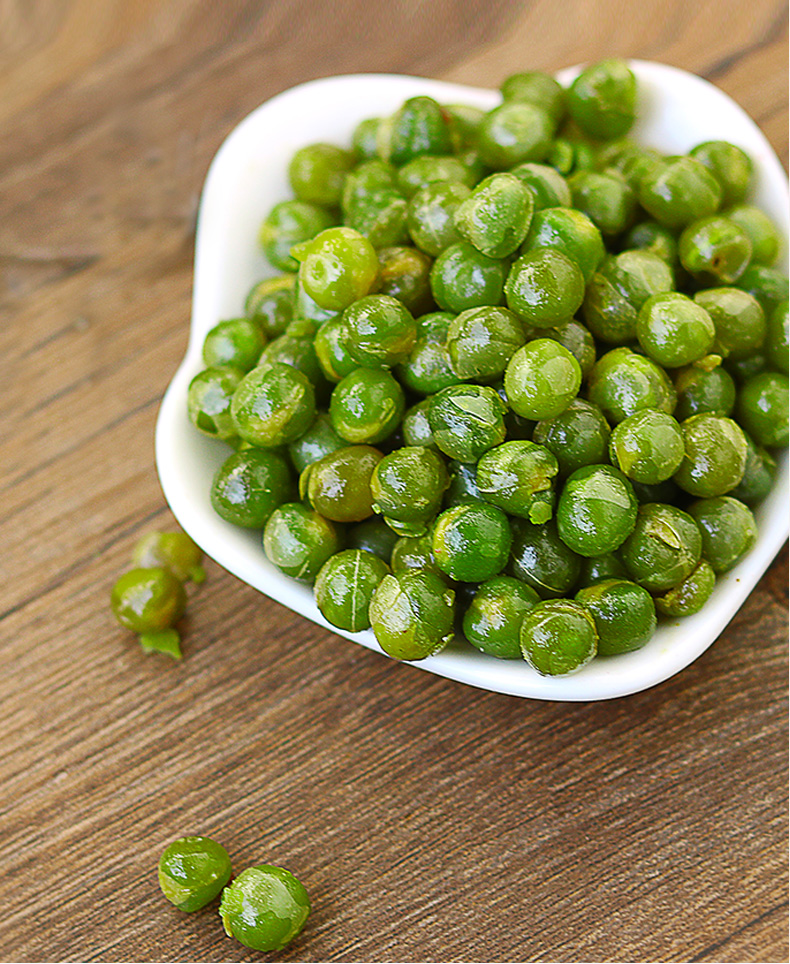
pixel 248 176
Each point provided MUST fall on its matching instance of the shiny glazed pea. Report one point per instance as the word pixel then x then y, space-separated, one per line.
pixel 558 637
pixel 518 477
pixel 299 541
pixel 338 485
pixel 345 586
pixel 249 485
pixel 411 614
pixel 273 406
pixel 264 908
pixel 492 621
pixel 542 379
pixel 467 420
pixel 193 871
pixel 664 547
pixel 596 511
pixel 471 541
pixel 624 614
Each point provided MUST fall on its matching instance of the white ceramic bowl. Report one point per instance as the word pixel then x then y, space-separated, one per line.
pixel 248 175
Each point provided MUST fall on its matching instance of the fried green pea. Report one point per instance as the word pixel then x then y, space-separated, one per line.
pixel 738 319
pixel 624 614
pixel 345 585
pixel 728 530
pixel 777 337
pixel 758 476
pixel 264 908
pixel 381 331
pixel 715 455
pixel 492 621
pixel 269 304
pixel 690 595
pixel 513 133
pixel 549 187
pixel 606 198
pixel 518 476
pixel 471 541
pixel 299 541
pixel 172 550
pixel 496 216
pixel 429 367
pixel 762 409
pixel 428 169
pixel 364 140
pixel 578 436
pixel 319 440
pixel 148 599
pixel 664 547
pixel 481 341
pixel 760 229
pixel 622 383
pixel 405 274
pixel 679 190
pixel 467 420
pixel 595 569
pixel 596 511
pixel 568 231
pixel 647 446
pixel 541 559
pixel 336 267
pixel 372 535
pixel 542 379
pixel 379 216
pixel 412 613
pixel 419 127
pixel 654 238
pixel 731 167
pixel 602 99
pixel 462 278
pixel 290 223
pixel 407 487
pixel 538 88
pixel 338 485
pixel 544 287
pixel 332 346
pixel 250 485
pixel 237 342
pixel 702 390
pixel 673 330
pixel 715 250
pixel 767 285
pixel 430 217
pixel 273 406
pixel 192 871
pixel 317 171
pixel 558 637
pixel 209 401
pixel 366 406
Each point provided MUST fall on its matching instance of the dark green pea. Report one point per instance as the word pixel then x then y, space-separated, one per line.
pixel 264 908
pixel 412 614
pixel 762 409
pixel 337 267
pixel 316 173
pixel 665 491
pixel 738 318
pixel 407 488
pixel 622 383
pixel 148 600
pixel 171 550
pixel 664 547
pixel 496 216
pixel 700 390
pixel 606 198
pixel 416 428
pixel 569 232
pixel 728 530
pixel 467 420
pixel 768 285
pixel 535 87
pixel 542 379
pixel 462 277
pixel 513 133
pixel 639 164
pixel 332 345
pixel 690 595
pixel 761 231
pixel 249 485
pixel 656 239
pixel 299 541
pixel 647 446
pixel 595 569
pixel 558 637
pixel 545 288
pixel 345 586
pixel 471 541
pixel 420 127
pixel 430 217
pixel 379 216
pixel 481 341
pixel 715 250
pixel 290 223
pixel 731 167
pixel 364 140
pixel 562 156
pixel 366 406
pixel 270 305
pixel 758 476
pixel 273 406
pixel 617 291
pixel 209 401
pixel 338 485
pixel 296 348
pixel 465 122
pixel 428 169
pixel 192 872
pixel 742 369
pixel 777 337
pixel 381 331
pixel 236 342
pixel 429 367
pixel 518 477
pixel 373 535
pixel 492 621
pixel 305 309
pixel 596 511
pixel 602 99
pixel 415 552
pixel 624 615
pixel 577 436
pixel 541 559
pixel 549 187
pixel 715 455
pixel 404 273
pixel 673 330
pixel 577 339
pixel 678 191
pixel 463 484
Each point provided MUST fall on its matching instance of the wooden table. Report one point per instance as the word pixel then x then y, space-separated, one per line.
pixel 429 821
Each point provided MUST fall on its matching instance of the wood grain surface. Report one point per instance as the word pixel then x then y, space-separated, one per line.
pixel 429 821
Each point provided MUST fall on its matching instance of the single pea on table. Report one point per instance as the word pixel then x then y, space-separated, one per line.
pixel 519 376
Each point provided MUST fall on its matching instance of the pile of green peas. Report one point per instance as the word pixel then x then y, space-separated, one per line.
pixel 521 378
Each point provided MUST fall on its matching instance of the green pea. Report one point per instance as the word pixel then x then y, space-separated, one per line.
pixel 273 406
pixel 542 560
pixel 306 309
pixel 673 330
pixel 332 346
pixel 269 304
pixel 466 420
pixel 513 133
pixel 654 238
pixel 264 908
pixel 366 406
pixel 364 140
pixel 299 541
pixel 715 455
pixel 416 427
pixel 290 223
pixel 578 436
pixel 558 637
pixel 316 173
pixel 412 614
pixel 345 586
pixel 249 485
pixel 429 367
pixel 664 547
pixel 767 285
pixel 462 278
pixel 427 169
pixel 715 249
pixel 777 337
pixel 336 267
pixel 407 487
pixel 647 446
pixel 562 156
pixel 738 318
pixel 296 348
pixel 678 191
pixel 209 401
pixel 463 484
pixel 419 127
pixel 728 530
pixel 731 167
pixel 319 440
pixel 496 216
pixel 535 87
pixel 665 491
pixel 338 485
pixel 623 612
pixel 192 872
pixel 464 123
pixel 369 178
pixel 761 231
pixel 492 621
pixel 701 390
pixel 415 552
pixel 622 383
pixel 542 379
pixel 690 595
pixel 762 409
pixel 148 600
pixel 602 99
pixel 171 550
pixel 404 273
pixel 570 232
pixel 518 476
pixel 481 341
pixel 430 217
pixel 742 369
pixel 381 331
pixel 544 287
pixel 236 342
pixel 606 198
pixel 758 476
pixel 471 541
pixel 379 216
pixel 549 187
pixel 596 511
pixel 373 535
pixel 595 569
